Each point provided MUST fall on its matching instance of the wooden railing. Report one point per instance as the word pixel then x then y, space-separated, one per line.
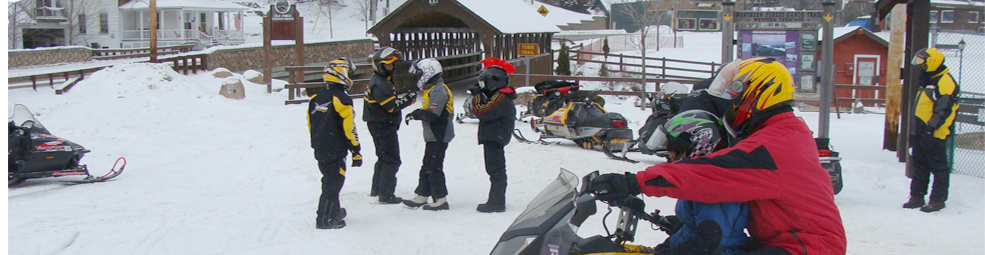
pixel 187 63
pixel 108 54
pixel 296 83
pixel 706 69
pixel 31 81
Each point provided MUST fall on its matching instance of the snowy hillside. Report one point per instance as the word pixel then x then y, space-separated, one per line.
pixel 209 175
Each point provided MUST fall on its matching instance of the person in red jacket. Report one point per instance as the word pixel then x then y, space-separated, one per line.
pixel 774 167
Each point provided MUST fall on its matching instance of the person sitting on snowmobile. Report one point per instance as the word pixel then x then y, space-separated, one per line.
pixel 333 135
pixel 436 115
pixel 381 111
pixel 492 103
pixel 705 228
pixel 774 167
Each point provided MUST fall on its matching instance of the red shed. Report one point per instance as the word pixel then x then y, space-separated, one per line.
pixel 860 58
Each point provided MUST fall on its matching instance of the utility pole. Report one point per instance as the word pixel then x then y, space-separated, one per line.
pixel 153 31
pixel 893 75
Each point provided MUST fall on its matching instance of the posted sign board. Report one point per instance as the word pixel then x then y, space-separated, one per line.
pixel 528 49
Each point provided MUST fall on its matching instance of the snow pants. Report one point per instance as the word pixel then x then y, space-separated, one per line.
pixel 333 177
pixel 432 179
pixel 930 157
pixel 387 157
pixel 495 158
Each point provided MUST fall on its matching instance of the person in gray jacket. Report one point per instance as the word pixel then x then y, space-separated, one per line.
pixel 436 116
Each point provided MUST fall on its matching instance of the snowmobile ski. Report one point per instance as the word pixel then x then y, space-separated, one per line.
pixel 113 173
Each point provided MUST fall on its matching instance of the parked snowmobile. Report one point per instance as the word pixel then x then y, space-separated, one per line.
pixel 550 223
pixel 586 123
pixel 33 152
pixel 553 95
pixel 831 162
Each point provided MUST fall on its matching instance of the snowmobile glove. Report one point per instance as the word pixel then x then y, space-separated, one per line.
pixel 475 90
pixel 612 187
pixel 357 159
pixel 406 100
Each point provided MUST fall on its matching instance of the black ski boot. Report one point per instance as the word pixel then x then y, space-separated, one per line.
pixel 330 224
pixel 915 202
pixel 490 208
pixel 932 207
pixel 390 200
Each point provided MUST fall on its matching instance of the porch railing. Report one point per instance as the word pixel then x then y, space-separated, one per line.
pixel 228 34
pixel 162 34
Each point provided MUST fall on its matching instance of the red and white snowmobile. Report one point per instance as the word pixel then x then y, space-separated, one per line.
pixel 33 152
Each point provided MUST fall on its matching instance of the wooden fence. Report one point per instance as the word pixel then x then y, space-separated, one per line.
pixel 109 54
pixel 705 69
pixel 187 63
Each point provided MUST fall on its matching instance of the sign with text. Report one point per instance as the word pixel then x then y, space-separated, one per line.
pixel 282 20
pixel 779 19
pixel 528 49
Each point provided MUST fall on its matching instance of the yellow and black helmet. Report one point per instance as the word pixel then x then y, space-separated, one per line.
pixel 338 71
pixel 386 55
pixel 929 59
pixel 758 85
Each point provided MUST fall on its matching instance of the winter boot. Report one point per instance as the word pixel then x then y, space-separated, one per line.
pixel 490 208
pixel 418 201
pixel 373 193
pixel 439 204
pixel 330 224
pixel 340 214
pixel 390 200
pixel 915 202
pixel 932 207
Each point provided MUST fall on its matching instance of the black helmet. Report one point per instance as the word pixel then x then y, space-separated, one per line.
pixel 493 78
pixel 386 55
pixel 695 133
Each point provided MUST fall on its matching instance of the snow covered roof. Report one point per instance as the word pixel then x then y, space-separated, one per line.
pixel 847 30
pixel 560 16
pixel 185 4
pixel 510 16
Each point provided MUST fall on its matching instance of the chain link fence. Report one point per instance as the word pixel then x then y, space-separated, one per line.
pixel 967 146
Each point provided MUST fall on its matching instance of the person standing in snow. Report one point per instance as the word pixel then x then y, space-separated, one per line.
pixel 774 167
pixel 933 119
pixel 381 111
pixel 492 103
pixel 436 116
pixel 333 135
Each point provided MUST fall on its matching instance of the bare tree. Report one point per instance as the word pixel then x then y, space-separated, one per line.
pixel 644 15
pixel 80 16
pixel 365 12
pixel 18 15
pixel 324 8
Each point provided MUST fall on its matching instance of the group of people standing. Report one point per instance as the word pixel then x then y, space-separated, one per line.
pixel 333 131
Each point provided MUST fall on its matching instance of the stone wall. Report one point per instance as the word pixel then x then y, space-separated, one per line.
pixel 251 58
pixel 48 56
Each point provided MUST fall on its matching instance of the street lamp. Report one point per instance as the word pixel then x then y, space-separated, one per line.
pixel 961 45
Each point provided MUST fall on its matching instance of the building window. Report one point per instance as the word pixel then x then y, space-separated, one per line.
pixel 933 17
pixel 104 23
pixel 708 24
pixel 82 23
pixel 947 16
pixel 973 17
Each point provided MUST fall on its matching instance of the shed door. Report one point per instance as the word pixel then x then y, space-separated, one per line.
pixel 866 73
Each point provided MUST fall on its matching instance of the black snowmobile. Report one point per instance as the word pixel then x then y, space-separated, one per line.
pixel 33 152
pixel 549 224
pixel 577 118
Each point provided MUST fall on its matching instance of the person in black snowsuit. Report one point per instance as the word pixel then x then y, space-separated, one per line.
pixel 492 103
pixel 381 111
pixel 933 122
pixel 333 136
pixel 436 115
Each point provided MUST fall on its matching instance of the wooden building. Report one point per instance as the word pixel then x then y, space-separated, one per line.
pixel 860 58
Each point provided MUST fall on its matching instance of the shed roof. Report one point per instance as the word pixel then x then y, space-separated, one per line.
pixel 842 33
pixel 185 4
pixel 503 16
pixel 560 16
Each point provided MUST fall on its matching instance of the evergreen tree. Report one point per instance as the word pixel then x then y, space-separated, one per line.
pixel 563 61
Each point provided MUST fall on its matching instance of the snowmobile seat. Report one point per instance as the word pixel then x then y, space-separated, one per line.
pixel 588 116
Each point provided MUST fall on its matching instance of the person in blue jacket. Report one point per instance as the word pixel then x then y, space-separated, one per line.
pixel 704 228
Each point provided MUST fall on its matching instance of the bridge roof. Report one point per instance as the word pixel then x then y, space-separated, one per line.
pixel 499 17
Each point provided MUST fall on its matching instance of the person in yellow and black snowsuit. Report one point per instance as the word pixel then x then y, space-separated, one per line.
pixel 492 103
pixel 333 135
pixel 381 111
pixel 436 115
pixel 934 112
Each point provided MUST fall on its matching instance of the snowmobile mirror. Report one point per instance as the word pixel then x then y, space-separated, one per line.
pixel 586 182
pixel 28 124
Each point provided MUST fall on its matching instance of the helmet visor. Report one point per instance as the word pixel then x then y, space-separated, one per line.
pixel 722 85
pixel 659 140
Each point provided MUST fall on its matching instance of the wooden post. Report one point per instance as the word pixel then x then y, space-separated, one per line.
pixel 299 42
pixel 663 67
pixel 268 64
pixel 620 62
pixel 184 65
pixel 919 25
pixel 893 86
pixel 292 79
pixel 153 31
pixel 34 83
pixel 51 81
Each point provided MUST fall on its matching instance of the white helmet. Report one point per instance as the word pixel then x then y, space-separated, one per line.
pixel 425 70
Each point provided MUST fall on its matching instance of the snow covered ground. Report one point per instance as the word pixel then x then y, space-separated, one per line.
pixel 209 175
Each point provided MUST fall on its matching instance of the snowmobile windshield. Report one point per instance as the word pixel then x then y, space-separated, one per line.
pixel 562 190
pixel 22 117
pixel 674 88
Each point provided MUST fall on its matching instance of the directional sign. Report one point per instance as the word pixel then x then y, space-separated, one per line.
pixel 528 49
pixel 727 17
pixel 542 10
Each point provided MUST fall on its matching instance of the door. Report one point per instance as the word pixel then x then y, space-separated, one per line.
pixel 866 73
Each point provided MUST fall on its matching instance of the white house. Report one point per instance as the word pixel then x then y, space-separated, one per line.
pixel 123 23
